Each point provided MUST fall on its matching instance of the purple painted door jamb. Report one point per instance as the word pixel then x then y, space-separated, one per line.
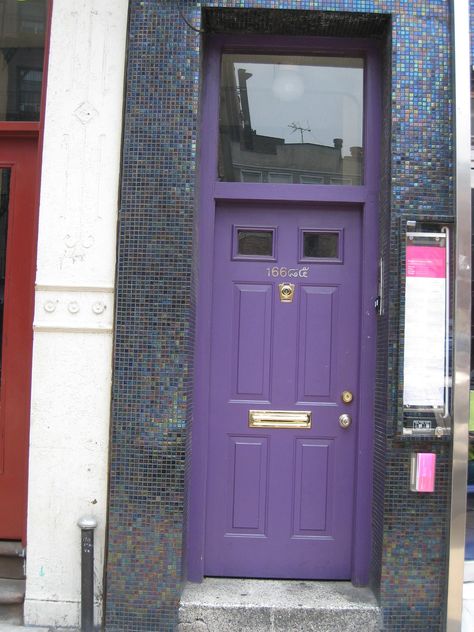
pixel 205 227
pixel 370 248
pixel 209 192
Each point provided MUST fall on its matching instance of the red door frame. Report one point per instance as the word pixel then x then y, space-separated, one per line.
pixel 21 146
pixel 20 155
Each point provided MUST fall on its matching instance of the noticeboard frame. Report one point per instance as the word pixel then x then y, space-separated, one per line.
pixel 425 421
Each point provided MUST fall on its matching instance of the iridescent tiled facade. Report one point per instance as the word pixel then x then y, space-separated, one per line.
pixel 153 364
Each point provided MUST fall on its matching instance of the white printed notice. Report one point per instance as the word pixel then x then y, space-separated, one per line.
pixel 425 326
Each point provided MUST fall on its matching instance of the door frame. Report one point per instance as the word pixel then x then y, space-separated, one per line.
pixel 18 130
pixel 21 157
pixel 365 197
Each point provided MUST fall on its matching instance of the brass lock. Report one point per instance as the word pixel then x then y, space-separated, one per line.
pixel 347 397
pixel 287 292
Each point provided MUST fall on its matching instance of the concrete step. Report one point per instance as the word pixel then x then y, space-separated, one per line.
pixel 12 560
pixel 11 614
pixel 11 548
pixel 12 591
pixel 12 567
pixel 261 605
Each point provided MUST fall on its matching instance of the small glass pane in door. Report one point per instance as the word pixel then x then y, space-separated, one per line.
pixel 320 245
pixel 254 242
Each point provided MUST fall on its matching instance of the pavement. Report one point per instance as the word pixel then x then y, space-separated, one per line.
pixel 6 626
pixel 10 615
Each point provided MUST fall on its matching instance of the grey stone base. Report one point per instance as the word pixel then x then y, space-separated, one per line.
pixel 261 605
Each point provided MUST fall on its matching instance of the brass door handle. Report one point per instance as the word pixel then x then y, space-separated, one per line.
pixel 345 421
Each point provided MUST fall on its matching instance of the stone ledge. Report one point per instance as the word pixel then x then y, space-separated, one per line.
pixel 244 605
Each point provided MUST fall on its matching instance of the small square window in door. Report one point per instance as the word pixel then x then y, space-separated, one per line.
pixel 321 245
pixel 254 243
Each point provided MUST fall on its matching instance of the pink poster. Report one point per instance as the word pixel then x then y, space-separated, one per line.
pixel 425 325
pixel 426 261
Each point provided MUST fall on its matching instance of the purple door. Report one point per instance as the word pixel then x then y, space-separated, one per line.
pixel 285 340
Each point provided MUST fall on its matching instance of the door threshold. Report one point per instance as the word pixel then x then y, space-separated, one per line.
pixel 268 605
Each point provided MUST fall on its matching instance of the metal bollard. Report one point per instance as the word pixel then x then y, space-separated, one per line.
pixel 87 525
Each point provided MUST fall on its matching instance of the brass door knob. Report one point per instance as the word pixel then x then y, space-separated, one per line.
pixel 345 421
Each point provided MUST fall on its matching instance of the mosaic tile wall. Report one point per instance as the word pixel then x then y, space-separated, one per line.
pixel 155 303
pixel 471 29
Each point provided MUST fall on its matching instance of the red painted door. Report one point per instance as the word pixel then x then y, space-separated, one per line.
pixel 285 340
pixel 18 158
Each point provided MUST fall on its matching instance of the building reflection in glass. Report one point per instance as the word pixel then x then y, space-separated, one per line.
pixel 22 35
pixel 291 120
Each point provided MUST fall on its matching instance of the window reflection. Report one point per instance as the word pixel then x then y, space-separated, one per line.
pixel 4 202
pixel 291 120
pixel 319 245
pixel 22 34
pixel 255 243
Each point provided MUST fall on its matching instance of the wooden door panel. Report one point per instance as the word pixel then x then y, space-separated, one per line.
pixel 317 334
pixel 248 474
pixel 312 478
pixel 251 338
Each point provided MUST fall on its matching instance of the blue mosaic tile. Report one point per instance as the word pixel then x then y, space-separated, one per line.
pixel 471 29
pixel 153 362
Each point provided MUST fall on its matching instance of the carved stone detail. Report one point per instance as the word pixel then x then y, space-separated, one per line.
pixel 99 307
pixel 50 306
pixel 73 307
pixel 85 112
pixel 76 247
pixel 80 309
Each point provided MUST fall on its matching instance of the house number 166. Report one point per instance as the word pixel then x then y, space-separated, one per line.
pixel 283 272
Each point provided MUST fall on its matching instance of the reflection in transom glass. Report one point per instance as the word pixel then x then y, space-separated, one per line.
pixel 22 32
pixel 4 202
pixel 291 119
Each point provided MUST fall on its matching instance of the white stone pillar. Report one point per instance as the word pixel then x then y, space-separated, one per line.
pixel 72 351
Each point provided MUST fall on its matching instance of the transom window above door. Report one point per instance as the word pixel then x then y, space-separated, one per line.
pixel 291 119
pixel 22 37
